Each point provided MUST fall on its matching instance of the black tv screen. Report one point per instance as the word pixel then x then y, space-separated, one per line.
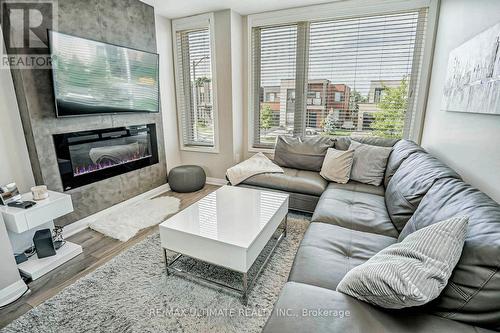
pixel 92 77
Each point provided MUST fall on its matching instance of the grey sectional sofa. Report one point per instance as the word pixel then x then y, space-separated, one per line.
pixel 351 222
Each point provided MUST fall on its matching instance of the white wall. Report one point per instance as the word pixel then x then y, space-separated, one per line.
pixel 469 143
pixel 14 161
pixel 10 280
pixel 167 91
pixel 229 103
pixel 237 78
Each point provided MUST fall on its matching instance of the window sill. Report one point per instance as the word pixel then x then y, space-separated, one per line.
pixel 261 150
pixel 210 150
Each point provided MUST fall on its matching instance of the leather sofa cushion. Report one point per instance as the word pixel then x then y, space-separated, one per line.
pixel 292 180
pixel 297 311
pixel 400 152
pixel 473 291
pixel 355 210
pixel 353 185
pixel 327 252
pixel 410 183
pixel 302 153
pixel 343 142
pixel 296 201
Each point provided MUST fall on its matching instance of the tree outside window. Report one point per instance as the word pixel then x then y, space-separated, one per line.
pixel 389 121
pixel 266 118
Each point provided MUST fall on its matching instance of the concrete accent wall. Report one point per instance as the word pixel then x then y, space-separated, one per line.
pixel 129 23
pixel 467 142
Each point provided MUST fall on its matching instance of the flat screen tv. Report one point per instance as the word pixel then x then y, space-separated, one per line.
pixel 92 77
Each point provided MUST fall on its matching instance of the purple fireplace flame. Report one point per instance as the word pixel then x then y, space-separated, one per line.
pixel 81 170
pixel 90 156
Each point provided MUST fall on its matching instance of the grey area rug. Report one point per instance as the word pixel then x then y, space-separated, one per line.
pixel 131 293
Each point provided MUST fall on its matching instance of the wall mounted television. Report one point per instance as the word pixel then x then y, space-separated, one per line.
pixel 91 77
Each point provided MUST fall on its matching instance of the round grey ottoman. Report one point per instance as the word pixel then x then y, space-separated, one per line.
pixel 186 178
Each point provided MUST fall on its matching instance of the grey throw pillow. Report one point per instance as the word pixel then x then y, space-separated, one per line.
pixel 337 165
pixel 301 153
pixel 369 163
pixel 412 272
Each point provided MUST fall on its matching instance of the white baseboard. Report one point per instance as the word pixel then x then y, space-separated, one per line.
pixel 12 292
pixel 83 224
pixel 216 181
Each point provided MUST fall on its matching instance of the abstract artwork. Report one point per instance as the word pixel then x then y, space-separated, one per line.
pixel 473 77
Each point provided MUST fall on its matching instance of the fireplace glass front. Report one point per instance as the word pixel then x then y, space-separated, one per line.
pixel 89 156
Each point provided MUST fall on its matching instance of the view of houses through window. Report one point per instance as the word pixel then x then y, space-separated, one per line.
pixel 194 88
pixel 360 72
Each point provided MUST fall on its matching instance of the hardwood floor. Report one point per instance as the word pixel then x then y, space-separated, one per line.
pixel 97 250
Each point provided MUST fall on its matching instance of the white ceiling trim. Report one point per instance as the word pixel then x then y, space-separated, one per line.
pixel 351 8
pixel 177 9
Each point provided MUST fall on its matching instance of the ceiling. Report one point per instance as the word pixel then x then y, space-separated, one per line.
pixel 182 8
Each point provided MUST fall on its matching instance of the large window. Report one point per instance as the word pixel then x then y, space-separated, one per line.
pixel 274 55
pixel 194 86
pixel 352 76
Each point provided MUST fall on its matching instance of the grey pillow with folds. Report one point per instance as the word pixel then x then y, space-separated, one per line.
pixel 412 272
pixel 337 165
pixel 302 153
pixel 369 163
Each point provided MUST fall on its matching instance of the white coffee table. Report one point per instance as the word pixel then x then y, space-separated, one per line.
pixel 229 228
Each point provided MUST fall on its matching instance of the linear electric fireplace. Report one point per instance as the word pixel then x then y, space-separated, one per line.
pixel 90 156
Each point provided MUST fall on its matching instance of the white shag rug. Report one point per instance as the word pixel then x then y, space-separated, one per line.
pixel 125 223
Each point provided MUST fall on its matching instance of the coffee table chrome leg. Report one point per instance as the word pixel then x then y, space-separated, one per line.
pixel 245 289
pixel 286 225
pixel 166 260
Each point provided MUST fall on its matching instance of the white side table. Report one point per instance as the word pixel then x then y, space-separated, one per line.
pixel 24 222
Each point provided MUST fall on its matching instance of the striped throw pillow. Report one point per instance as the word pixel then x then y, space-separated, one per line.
pixel 412 272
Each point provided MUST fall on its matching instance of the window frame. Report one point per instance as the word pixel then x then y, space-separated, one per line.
pixel 201 21
pixel 342 10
